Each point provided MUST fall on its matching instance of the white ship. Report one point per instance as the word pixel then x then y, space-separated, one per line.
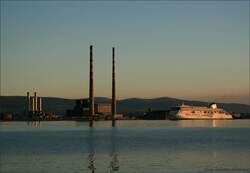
pixel 199 112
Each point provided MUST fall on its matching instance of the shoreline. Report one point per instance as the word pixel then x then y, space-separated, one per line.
pixel 82 120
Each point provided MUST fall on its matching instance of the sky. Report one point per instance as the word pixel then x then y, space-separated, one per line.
pixel 184 49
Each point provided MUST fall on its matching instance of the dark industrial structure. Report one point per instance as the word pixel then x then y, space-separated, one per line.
pixel 80 109
pixel 102 111
pixel 91 88
pixel 85 109
pixel 92 110
pixel 156 115
pixel 113 88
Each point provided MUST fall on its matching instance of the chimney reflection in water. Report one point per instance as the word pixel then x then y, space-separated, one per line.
pixel 114 162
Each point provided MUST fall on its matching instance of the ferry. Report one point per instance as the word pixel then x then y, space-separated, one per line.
pixel 199 112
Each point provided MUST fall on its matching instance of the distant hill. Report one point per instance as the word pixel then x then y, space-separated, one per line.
pixel 17 104
pixel 164 103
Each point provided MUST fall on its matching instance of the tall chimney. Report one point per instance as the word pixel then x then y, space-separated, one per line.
pixel 91 89
pixel 28 103
pixel 113 88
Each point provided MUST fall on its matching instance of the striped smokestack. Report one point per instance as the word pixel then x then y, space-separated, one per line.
pixel 113 88
pixel 33 105
pixel 91 88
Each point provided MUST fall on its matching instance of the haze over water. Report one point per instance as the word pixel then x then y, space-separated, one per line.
pixel 184 49
pixel 133 146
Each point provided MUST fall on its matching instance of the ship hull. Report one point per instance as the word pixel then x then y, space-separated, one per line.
pixel 185 112
pixel 203 117
pixel 179 118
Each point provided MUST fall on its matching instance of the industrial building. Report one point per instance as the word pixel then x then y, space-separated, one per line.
pixel 81 109
pixel 84 108
pixel 103 108
pixel 34 106
pixel 102 111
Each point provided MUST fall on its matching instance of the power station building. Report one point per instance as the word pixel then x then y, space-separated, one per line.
pixel 102 110
pixel 81 109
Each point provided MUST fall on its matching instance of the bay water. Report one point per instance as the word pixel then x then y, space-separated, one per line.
pixel 138 146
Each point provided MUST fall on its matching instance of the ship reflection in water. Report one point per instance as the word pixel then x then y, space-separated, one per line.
pixel 114 162
pixel 212 123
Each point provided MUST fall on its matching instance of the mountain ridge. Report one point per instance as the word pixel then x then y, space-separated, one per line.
pixel 17 104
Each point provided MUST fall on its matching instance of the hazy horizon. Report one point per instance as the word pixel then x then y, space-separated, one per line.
pixel 191 50
pixel 149 98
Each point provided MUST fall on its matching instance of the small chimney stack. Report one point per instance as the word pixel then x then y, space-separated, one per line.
pixel 33 105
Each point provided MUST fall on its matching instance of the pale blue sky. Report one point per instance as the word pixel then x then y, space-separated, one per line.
pixel 192 50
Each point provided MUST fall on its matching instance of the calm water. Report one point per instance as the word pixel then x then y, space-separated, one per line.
pixel 133 147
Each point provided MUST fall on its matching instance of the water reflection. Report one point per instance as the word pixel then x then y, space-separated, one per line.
pixel 205 123
pixel 213 147
pixel 33 124
pixel 60 147
pixel 113 165
pixel 91 155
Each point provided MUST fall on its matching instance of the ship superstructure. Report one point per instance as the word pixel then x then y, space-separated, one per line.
pixel 199 112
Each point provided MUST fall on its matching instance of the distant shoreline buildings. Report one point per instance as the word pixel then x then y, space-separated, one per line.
pixel 14 108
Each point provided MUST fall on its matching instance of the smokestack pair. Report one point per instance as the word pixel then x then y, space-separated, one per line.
pixel 91 89
pixel 34 104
